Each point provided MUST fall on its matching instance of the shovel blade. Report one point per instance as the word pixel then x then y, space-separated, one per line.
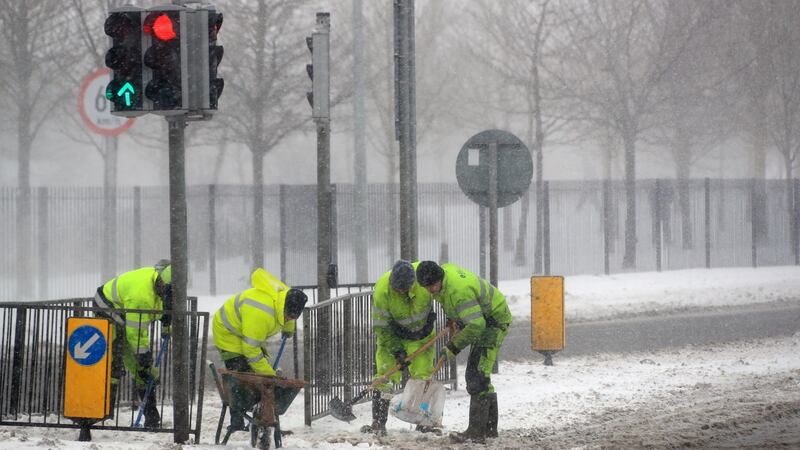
pixel 341 410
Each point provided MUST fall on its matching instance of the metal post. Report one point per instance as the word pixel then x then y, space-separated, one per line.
pixel 493 213
pixel 359 147
pixel 43 241
pixel 406 132
pixel 753 223
pixel 797 221
pixel 493 224
pixel 708 221
pixel 137 226
pixel 282 218
pixel 212 239
pixel 606 225
pixel 109 257
pixel 546 227
pixel 482 240
pixel 179 260
pixel 657 228
pixel 321 94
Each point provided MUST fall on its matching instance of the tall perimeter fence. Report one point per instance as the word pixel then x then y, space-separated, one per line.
pixel 695 223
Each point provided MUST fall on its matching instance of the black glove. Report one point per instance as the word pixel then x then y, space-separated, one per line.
pixel 431 321
pixel 148 375
pixel 145 360
pixel 400 357
pixel 404 333
pixel 286 334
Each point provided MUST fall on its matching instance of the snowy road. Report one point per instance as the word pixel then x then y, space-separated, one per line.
pixel 647 332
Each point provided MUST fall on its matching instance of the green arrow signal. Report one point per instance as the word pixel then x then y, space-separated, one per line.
pixel 126 90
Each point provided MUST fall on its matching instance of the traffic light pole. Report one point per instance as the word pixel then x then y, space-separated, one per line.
pixel 179 260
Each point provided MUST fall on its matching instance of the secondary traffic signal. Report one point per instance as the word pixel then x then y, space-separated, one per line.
pixel 215 52
pixel 319 45
pixel 124 58
pixel 166 57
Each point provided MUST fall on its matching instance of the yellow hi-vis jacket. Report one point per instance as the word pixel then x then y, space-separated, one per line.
pixel 243 324
pixel 134 290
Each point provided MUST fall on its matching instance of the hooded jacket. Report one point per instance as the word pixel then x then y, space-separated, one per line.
pixel 246 320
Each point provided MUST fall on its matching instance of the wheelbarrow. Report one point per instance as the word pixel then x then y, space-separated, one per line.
pixel 275 394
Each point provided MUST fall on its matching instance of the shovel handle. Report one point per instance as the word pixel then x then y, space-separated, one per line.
pixel 409 358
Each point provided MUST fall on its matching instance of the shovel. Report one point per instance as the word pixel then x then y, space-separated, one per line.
pixel 344 410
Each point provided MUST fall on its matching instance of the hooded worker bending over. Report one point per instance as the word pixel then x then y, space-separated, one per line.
pixel 145 288
pixel 481 312
pixel 244 323
pixel 403 320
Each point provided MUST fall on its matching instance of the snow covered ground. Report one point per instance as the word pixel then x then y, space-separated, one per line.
pixel 728 394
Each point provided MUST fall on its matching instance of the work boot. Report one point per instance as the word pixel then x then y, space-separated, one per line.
pixel 427 429
pixel 491 422
pixel 237 422
pixel 152 419
pixel 478 421
pixel 380 413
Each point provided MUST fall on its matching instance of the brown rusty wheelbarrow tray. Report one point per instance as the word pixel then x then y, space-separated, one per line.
pixel 275 393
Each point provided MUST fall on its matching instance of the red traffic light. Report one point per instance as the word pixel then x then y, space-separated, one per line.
pixel 162 28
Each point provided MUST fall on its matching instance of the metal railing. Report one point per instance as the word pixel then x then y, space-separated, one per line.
pixel 339 351
pixel 33 360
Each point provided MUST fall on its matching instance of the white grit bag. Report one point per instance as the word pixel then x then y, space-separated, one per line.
pixel 422 403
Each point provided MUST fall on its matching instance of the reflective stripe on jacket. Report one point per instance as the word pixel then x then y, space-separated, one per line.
pixel 134 290
pixel 407 310
pixel 243 324
pixel 470 301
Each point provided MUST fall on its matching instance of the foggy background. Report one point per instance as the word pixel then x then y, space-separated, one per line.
pixel 622 90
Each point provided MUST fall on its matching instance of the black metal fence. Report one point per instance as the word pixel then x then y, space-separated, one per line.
pixel 33 358
pixel 339 351
pixel 694 223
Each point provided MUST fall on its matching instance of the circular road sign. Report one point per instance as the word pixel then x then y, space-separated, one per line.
pixel 95 109
pixel 87 345
pixel 514 167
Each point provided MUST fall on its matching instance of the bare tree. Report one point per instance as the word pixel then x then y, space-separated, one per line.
pixel 616 56
pixel 514 55
pixel 266 98
pixel 697 114
pixel 36 43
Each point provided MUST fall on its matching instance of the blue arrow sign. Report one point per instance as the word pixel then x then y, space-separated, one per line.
pixel 87 345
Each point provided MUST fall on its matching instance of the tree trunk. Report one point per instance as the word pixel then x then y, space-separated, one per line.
pixel 684 202
pixel 629 259
pixel 258 209
pixel 24 217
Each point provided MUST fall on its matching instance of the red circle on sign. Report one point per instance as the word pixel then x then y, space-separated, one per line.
pixel 82 110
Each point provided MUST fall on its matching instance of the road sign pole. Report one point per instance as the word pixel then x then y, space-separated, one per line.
pixel 493 213
pixel 179 261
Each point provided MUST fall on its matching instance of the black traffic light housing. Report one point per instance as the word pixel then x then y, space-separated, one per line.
pixel 124 58
pixel 166 58
pixel 215 53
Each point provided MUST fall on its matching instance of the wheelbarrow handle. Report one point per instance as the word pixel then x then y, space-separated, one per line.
pixel 280 351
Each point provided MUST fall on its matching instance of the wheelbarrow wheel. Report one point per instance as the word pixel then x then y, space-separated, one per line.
pixel 259 435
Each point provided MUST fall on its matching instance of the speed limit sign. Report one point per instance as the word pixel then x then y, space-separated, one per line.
pixel 95 109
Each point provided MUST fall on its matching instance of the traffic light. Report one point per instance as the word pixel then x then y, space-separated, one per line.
pixel 310 71
pixel 166 57
pixel 124 58
pixel 319 45
pixel 215 52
